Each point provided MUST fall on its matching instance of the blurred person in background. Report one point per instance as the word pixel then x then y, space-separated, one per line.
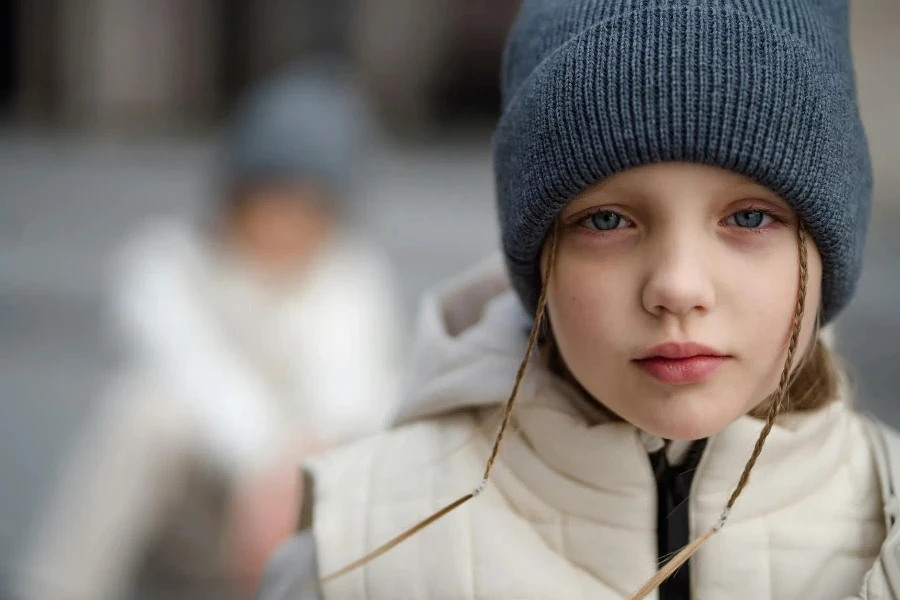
pixel 264 335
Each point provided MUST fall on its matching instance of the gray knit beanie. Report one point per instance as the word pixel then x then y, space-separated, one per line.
pixel 764 88
pixel 306 121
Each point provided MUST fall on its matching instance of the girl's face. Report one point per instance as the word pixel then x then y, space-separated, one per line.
pixel 673 295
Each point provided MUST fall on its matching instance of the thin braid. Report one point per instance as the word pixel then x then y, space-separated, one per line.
pixel 532 342
pixel 388 546
pixel 777 402
pixel 552 244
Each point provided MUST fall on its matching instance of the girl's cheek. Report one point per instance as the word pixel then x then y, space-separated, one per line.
pixel 774 238
pixel 764 300
pixel 595 245
pixel 580 299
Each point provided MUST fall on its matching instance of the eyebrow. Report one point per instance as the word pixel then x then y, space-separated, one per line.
pixel 604 188
pixel 760 190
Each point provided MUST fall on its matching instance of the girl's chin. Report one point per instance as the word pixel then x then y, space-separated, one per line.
pixel 688 423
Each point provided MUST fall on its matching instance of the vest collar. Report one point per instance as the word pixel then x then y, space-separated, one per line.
pixel 599 469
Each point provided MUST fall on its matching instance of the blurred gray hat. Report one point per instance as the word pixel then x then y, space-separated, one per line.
pixel 307 121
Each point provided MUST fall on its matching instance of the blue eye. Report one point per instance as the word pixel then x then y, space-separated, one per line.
pixel 749 219
pixel 605 220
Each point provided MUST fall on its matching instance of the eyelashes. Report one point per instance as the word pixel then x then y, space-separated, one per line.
pixel 608 219
pixel 775 215
pixel 605 220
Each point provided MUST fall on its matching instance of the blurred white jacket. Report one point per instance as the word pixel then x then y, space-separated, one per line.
pixel 253 361
pixel 223 375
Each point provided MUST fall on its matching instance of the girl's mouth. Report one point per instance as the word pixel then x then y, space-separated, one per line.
pixel 680 371
pixel 681 363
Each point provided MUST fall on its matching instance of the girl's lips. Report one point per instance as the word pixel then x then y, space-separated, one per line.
pixel 681 371
pixel 679 350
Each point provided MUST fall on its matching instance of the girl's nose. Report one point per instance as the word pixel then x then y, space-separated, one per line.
pixel 678 282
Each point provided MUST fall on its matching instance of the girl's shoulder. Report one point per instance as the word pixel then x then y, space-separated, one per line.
pixel 884 441
pixel 399 462
pixel 883 580
pixel 367 493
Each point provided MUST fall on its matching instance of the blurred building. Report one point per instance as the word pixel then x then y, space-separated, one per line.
pixel 122 62
pixel 150 63
pixel 168 63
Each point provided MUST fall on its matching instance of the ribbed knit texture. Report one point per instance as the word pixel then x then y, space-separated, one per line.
pixel 760 87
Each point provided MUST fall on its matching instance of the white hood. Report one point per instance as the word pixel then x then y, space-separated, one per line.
pixel 472 334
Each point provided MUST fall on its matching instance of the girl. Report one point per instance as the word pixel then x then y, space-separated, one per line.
pixel 249 344
pixel 683 192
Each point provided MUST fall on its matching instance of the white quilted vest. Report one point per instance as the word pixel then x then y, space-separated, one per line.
pixel 570 511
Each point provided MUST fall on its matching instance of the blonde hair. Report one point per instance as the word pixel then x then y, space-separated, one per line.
pixel 813 384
